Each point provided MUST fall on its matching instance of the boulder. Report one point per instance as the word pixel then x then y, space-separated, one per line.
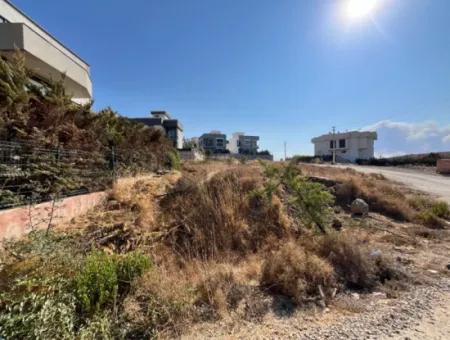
pixel 359 207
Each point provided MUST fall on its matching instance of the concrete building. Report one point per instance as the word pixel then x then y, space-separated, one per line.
pixel 45 57
pixel 162 120
pixel 242 144
pixel 213 142
pixel 349 146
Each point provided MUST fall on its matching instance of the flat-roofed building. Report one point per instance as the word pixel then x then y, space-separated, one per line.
pixel 45 56
pixel 162 120
pixel 348 146
pixel 213 142
pixel 243 144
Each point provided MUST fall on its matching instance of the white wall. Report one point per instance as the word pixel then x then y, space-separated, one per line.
pixel 44 55
pixel 358 145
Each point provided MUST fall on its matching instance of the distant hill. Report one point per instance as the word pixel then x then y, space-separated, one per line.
pixel 427 159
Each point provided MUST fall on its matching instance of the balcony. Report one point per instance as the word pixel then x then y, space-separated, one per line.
pixel 47 58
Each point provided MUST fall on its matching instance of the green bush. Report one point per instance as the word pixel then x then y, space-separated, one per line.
pixel 308 201
pixel 104 276
pixel 38 309
pixel 174 161
pixel 441 209
pixel 99 327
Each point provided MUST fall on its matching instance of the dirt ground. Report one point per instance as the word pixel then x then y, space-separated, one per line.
pixel 415 178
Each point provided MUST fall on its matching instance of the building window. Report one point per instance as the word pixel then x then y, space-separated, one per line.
pixel 332 144
pixel 219 142
pixel 208 142
pixel 341 143
pixel 172 134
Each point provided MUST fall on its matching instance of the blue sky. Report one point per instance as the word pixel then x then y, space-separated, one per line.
pixel 284 70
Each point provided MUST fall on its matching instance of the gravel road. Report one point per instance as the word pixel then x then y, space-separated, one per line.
pixel 434 184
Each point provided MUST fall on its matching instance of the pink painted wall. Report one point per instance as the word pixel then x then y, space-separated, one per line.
pixel 18 221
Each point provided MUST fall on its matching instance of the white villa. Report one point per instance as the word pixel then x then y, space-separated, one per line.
pixel 348 146
pixel 45 56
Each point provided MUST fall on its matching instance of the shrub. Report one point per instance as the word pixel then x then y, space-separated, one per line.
pixel 219 291
pixel 97 283
pixel 174 160
pixel 353 263
pixel 441 209
pixel 296 273
pixel 38 309
pixel 103 276
pixel 309 201
pixel 98 327
pixel 158 301
pixel 430 219
pixel 217 215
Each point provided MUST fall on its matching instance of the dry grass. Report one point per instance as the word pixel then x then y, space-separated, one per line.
pixel 159 302
pixel 220 215
pixel 357 266
pixel 383 196
pixel 215 243
pixel 296 273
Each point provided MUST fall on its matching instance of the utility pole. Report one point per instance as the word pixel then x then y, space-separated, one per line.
pixel 333 143
pixel 285 151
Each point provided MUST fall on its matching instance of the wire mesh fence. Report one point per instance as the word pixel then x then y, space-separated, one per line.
pixel 31 174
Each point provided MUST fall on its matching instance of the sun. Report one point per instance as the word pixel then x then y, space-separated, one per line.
pixel 360 9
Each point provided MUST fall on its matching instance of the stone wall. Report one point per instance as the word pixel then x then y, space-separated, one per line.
pixel 17 222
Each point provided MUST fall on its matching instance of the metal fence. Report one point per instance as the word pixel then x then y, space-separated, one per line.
pixel 31 174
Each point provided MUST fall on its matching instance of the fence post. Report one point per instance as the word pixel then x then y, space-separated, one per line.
pixel 113 162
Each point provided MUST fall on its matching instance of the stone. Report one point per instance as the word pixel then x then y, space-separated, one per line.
pixel 336 224
pixel 355 296
pixel 359 207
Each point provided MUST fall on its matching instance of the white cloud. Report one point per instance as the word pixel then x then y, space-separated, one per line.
pixel 395 137
pixel 413 131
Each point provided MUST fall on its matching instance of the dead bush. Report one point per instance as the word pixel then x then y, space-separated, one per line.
pixel 220 215
pixel 296 273
pixel 354 264
pixel 382 196
pixel 159 302
pixel 218 291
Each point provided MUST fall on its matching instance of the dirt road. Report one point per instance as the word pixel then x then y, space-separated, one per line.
pixel 434 184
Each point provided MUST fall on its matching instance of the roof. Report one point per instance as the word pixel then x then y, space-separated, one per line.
pixel 148 121
pixel 350 134
pixel 172 123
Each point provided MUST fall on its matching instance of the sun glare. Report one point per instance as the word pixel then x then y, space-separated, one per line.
pixel 360 9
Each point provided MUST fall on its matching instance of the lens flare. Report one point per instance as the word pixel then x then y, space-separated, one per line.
pixel 360 9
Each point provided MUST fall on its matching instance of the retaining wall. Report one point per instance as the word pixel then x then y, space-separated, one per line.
pixel 17 222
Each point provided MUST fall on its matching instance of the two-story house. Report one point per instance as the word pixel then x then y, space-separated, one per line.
pixel 347 146
pixel 213 142
pixel 242 144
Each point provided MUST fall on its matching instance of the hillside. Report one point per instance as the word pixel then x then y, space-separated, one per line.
pixel 229 250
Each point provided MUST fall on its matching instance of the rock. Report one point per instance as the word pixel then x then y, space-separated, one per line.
pixel 432 271
pixel 380 295
pixel 448 266
pixel 336 224
pixel 355 296
pixel 376 253
pixel 359 207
